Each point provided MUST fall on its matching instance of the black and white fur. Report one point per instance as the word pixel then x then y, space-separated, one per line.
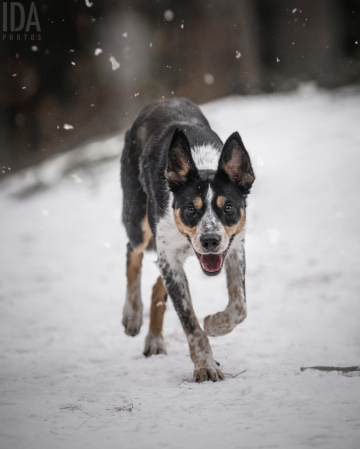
pixel 179 178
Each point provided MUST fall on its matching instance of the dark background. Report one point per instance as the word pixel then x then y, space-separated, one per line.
pixel 208 50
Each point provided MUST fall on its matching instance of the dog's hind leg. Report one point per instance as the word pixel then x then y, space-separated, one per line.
pixel 132 312
pixel 135 220
pixel 154 343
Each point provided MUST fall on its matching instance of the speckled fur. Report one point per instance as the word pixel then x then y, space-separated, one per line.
pixel 173 160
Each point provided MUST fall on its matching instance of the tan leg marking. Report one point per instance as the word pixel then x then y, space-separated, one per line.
pixel 154 343
pixel 133 274
pixel 133 269
pixel 158 307
pixel 132 311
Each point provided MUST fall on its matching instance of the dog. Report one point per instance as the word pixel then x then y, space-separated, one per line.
pixel 184 193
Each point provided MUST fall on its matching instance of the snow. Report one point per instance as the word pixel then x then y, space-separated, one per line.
pixel 209 78
pixel 114 64
pixel 69 375
pixel 168 15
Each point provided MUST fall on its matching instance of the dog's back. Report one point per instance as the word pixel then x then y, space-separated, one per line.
pixel 154 119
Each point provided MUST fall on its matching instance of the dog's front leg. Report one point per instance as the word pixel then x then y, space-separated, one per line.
pixel 223 323
pixel 172 272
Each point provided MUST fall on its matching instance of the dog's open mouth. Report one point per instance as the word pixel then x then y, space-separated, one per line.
pixel 211 264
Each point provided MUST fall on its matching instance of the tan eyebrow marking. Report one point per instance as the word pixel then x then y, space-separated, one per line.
pixel 198 202
pixel 220 201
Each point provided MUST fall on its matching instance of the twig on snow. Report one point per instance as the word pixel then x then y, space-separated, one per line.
pixel 235 375
pixel 342 369
pixel 125 408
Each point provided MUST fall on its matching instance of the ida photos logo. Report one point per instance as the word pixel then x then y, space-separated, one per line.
pixel 20 23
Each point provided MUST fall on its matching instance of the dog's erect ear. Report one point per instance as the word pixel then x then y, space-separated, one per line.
pixel 235 162
pixel 180 165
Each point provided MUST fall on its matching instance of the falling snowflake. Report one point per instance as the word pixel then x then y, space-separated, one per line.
pixel 209 78
pixel 168 15
pixel 237 54
pixel 67 126
pixel 34 48
pixel 125 35
pixel 88 4
pixel 277 60
pixel 76 178
pixel 114 64
pixel 98 51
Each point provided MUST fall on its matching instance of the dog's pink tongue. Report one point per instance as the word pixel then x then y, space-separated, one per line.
pixel 211 262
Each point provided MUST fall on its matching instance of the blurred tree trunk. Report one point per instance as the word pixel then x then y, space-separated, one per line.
pixel 301 41
pixel 214 52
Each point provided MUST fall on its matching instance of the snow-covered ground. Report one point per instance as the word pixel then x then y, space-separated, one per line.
pixel 71 378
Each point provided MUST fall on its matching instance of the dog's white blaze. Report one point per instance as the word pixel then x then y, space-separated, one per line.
pixel 210 194
pixel 206 157
pixel 209 219
pixel 210 224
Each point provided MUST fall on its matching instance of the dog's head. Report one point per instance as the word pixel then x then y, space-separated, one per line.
pixel 209 204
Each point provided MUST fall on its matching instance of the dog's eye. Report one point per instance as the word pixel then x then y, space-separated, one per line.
pixel 191 210
pixel 228 208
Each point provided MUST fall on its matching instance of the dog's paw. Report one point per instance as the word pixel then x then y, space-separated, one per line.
pixel 154 345
pixel 208 371
pixel 131 321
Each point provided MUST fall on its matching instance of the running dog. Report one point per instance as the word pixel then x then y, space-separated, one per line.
pixel 184 193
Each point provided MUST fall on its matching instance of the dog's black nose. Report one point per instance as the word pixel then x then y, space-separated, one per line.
pixel 210 241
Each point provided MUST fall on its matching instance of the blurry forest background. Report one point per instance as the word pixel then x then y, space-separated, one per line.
pixel 200 49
